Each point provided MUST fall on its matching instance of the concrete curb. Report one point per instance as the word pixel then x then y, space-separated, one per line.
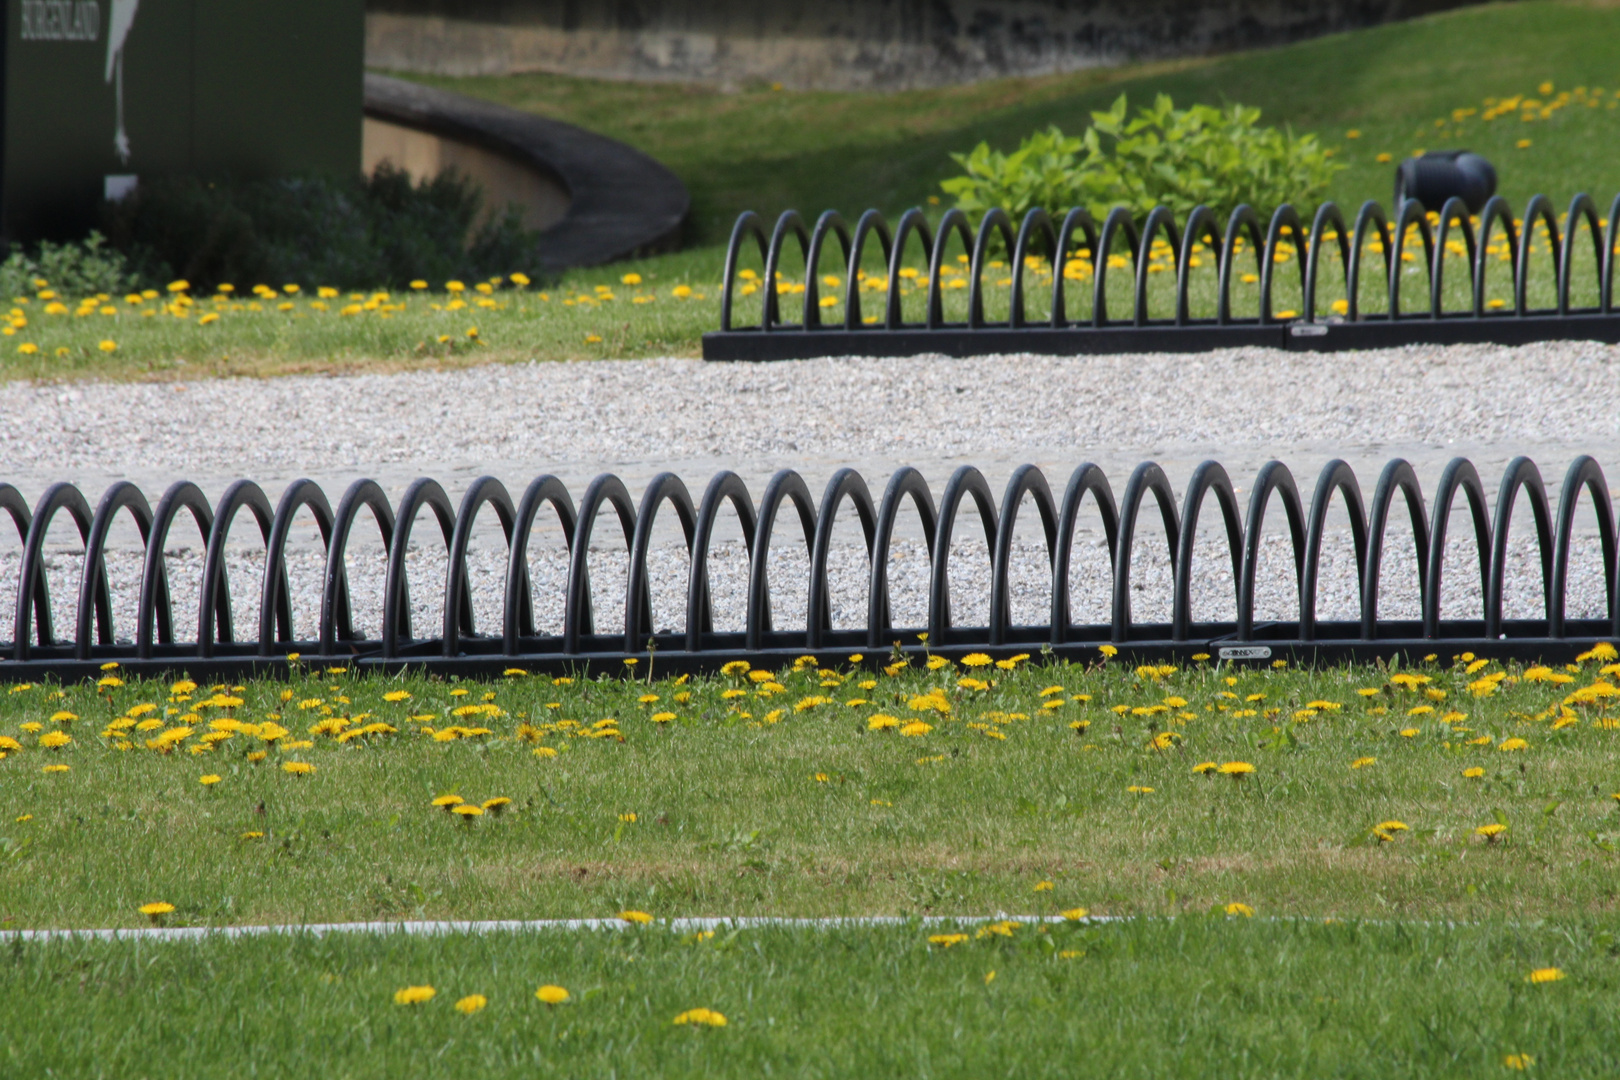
pixel 496 926
pixel 622 202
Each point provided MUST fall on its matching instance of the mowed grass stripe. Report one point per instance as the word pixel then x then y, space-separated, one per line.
pixel 1195 997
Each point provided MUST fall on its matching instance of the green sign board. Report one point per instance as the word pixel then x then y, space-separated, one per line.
pixel 100 93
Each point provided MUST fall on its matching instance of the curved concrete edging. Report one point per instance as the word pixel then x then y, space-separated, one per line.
pixel 621 201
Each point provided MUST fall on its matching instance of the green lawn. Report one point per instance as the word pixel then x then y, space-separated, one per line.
pixel 1192 997
pixel 791 801
pixel 768 151
pixel 1400 87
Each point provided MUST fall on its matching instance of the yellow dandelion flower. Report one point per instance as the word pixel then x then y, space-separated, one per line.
pixel 210 780
pixel 701 1018
pixel 414 995
pixel 297 768
pixel 1237 908
pixel 945 941
pixel 552 995
pixel 156 910
pixel 639 918
pixel 471 1004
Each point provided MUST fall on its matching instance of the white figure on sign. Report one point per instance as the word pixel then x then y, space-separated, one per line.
pixel 123 18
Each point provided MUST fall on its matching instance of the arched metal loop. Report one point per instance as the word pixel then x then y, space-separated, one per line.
pixel 1208 477
pixel 871 223
pixel 577 620
pixel 638 616
pixel 1201 222
pixel 1147 477
pixel 336 618
pixel 423 494
pixel 275 600
pixel 1087 479
pixel 1584 472
pixel 1036 226
pixel 785 486
pixel 954 222
pixel 1244 221
pixel 1284 220
pixel 484 491
pixel 1336 476
pixel 1327 214
pixel 905 483
pixel 1399 478
pixel 214 599
pixel 153 606
pixel 1274 477
pixel 748 225
pixel 1459 474
pixel 1521 475
pixel 724 487
pixel 1455 211
pixel 845 484
pixel 1119 222
pixel 829 223
pixel 518 614
pixel 1025 480
pixel 95 602
pixel 965 482
pixel 33 593
pixel 1159 219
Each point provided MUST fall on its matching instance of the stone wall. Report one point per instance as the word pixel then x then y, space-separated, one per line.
pixel 836 44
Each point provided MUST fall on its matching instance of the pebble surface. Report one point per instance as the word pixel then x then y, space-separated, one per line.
pixel 636 418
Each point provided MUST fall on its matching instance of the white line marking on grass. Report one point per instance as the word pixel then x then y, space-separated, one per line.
pixel 507 926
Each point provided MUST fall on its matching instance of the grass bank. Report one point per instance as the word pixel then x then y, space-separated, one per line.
pixel 1373 95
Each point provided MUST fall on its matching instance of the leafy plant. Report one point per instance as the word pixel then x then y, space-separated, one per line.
pixel 383 230
pixel 1165 156
pixel 80 268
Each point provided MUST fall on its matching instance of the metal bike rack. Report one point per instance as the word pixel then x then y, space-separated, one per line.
pixel 773 338
pixel 457 647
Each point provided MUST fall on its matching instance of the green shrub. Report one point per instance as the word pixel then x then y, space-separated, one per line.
pixel 1163 156
pixel 352 234
pixel 81 268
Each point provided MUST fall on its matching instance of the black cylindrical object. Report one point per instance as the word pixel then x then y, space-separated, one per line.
pixel 1442 174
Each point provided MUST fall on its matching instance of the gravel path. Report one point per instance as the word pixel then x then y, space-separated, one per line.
pixel 639 417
